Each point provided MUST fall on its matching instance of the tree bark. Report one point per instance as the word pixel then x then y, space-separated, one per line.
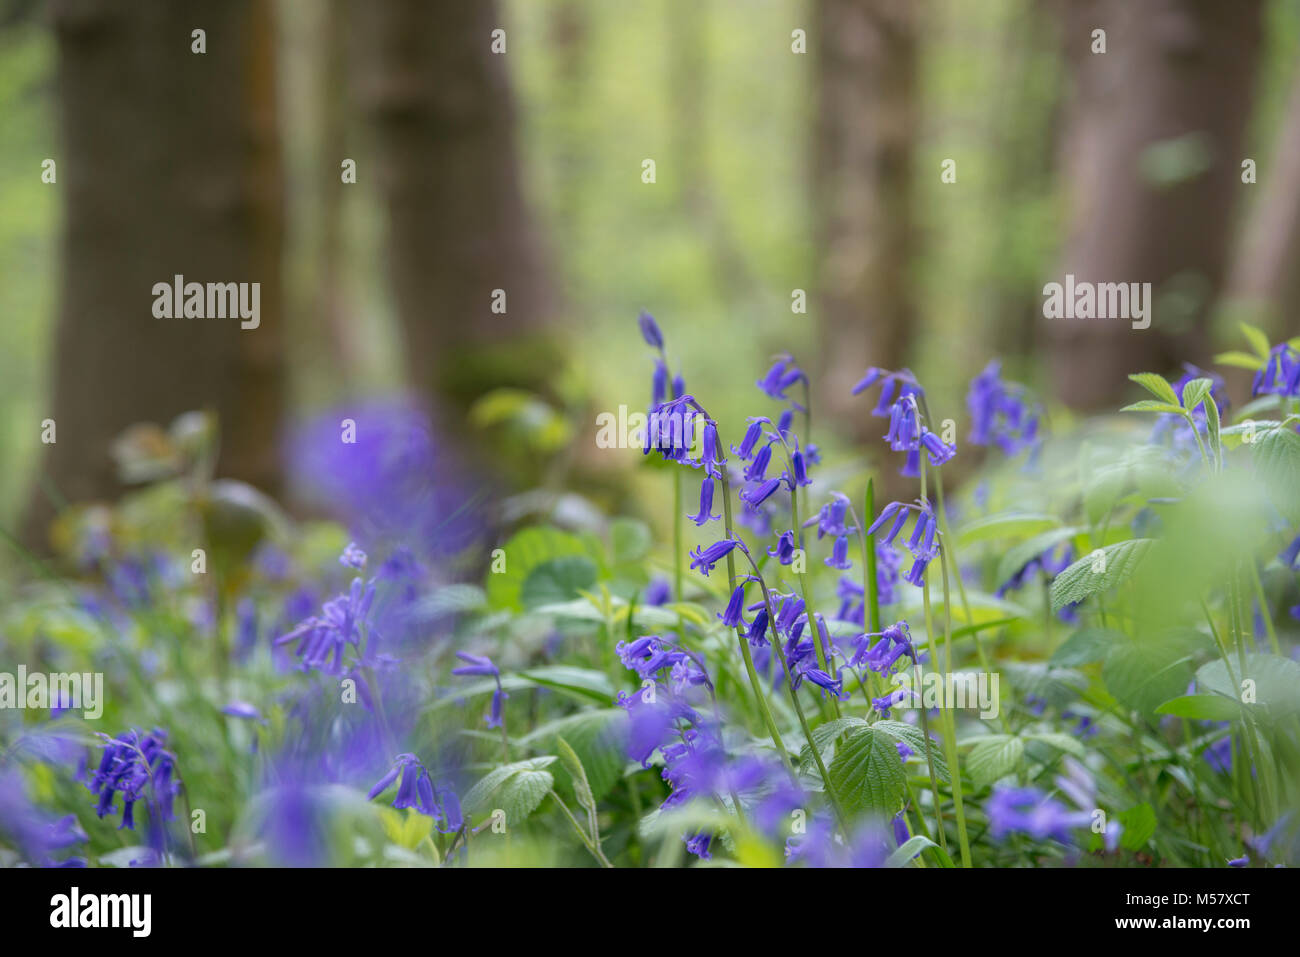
pixel 1153 144
pixel 170 165
pixel 440 106
pixel 867 117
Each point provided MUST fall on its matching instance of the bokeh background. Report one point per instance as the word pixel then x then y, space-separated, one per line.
pixel 798 145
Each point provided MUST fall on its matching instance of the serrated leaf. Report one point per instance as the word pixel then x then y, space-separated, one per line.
pixel 994 758
pixel 1144 676
pixel 1085 646
pixel 914 738
pixel 867 773
pixel 516 788
pixel 1062 742
pixel 597 737
pixel 1195 391
pixel 1158 386
pixel 1150 405
pixel 1079 581
pixel 1277 462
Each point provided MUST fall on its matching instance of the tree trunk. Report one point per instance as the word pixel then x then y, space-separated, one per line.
pixel 867 118
pixel 170 165
pixel 1153 145
pixel 440 105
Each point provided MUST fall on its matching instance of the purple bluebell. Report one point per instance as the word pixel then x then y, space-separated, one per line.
pixel 759 493
pixel 785 548
pixel 139 767
pixel 353 557
pixel 479 665
pixel 752 435
pixel 650 330
pixel 703 559
pixel 731 616
pixel 839 557
pixel 704 514
pixel 1280 374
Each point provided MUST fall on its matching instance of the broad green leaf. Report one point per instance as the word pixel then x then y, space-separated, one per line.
pixel 1021 555
pixel 1274 683
pixel 516 788
pixel 1086 646
pixel 583 682
pixel 994 758
pixel 1006 525
pixel 1150 405
pixel 557 580
pixel 597 737
pixel 1195 392
pixel 1240 360
pixel 1276 454
pixel 631 540
pixel 1257 339
pixel 909 849
pixel 1093 574
pixel 914 738
pixel 867 773
pixel 1158 386
pixel 1144 676
pixel 524 552
pixel 1202 707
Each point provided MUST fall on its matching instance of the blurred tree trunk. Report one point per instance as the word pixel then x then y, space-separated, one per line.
pixel 1264 283
pixel 1152 151
pixel 867 116
pixel 170 165
pixel 441 108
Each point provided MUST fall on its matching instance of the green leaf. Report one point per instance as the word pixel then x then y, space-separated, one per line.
pixel 1062 742
pixel 581 786
pixel 1257 339
pixel 1194 393
pixel 914 738
pixel 909 849
pixel 1240 360
pixel 1139 824
pixel 867 773
pixel 1149 405
pixel 1085 646
pixel 1276 682
pixel 1021 555
pixel 516 788
pixel 524 552
pixel 631 540
pixel 557 580
pixel 597 739
pixel 994 757
pixel 1158 386
pixel 582 682
pixel 1006 525
pixel 1144 676
pixel 1080 581
pixel 1202 707
pixel 1277 462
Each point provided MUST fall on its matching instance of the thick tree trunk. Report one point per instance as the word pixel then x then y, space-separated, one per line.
pixel 440 105
pixel 170 165
pixel 1264 283
pixel 866 131
pixel 1153 146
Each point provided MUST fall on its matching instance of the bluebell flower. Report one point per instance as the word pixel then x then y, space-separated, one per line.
pixel 479 665
pixel 139 767
pixel 757 494
pixel 752 435
pixel 1280 374
pixel 659 384
pixel 657 592
pixel 704 559
pixel 757 469
pixel 322 639
pixel 353 556
pixel 731 616
pixel 242 709
pixel 839 557
pixel 650 330
pixel 785 548
pixel 831 518
pixel 416 789
pixel 1002 413
pixel 706 503
pixel 1029 811
pixel 758 629
pixel 780 377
